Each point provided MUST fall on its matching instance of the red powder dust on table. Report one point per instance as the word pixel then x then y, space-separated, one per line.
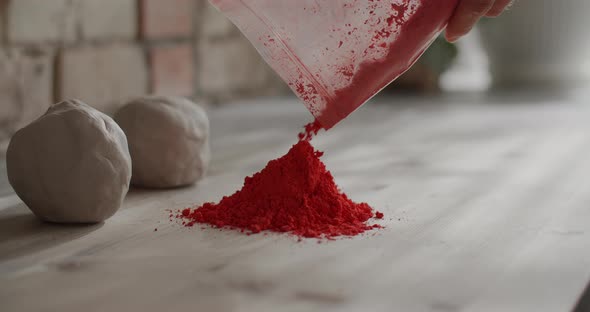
pixel 295 194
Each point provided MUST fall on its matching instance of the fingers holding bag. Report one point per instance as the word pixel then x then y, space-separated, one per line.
pixel 468 12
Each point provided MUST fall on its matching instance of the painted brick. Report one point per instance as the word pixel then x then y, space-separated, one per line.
pixel 103 77
pixel 215 24
pixel 26 88
pixel 172 69
pixel 230 66
pixel 34 21
pixel 108 19
pixel 166 19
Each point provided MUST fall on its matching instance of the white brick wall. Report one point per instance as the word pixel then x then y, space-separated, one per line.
pixel 104 51
pixel 230 66
pixel 35 21
pixel 108 19
pixel 214 24
pixel 25 87
pixel 103 76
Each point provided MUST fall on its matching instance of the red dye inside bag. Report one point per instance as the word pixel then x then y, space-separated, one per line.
pixel 336 55
pixel 294 194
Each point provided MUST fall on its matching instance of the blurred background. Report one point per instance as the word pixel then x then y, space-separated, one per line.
pixel 105 51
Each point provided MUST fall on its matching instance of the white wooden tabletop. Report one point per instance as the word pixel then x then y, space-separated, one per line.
pixel 486 202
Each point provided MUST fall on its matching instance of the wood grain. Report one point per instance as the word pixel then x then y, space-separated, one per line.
pixel 486 209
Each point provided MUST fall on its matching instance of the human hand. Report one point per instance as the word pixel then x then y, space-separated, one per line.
pixel 468 12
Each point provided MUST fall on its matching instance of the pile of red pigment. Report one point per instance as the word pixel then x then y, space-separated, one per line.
pixel 295 194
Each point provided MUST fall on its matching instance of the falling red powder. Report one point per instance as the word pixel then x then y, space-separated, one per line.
pixel 294 194
pixel 309 131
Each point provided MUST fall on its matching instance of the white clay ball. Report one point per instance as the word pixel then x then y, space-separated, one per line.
pixel 71 165
pixel 168 140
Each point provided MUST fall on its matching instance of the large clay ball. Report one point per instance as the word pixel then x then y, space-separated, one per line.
pixel 168 140
pixel 71 165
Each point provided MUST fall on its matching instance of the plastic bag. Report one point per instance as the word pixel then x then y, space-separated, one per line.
pixel 337 54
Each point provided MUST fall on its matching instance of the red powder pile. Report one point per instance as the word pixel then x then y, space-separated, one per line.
pixel 294 194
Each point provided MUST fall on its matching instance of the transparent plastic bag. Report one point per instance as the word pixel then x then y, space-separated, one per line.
pixel 337 54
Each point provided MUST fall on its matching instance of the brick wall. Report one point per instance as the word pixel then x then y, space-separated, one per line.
pixel 105 51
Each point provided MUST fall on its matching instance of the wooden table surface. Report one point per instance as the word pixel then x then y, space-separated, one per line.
pixel 486 202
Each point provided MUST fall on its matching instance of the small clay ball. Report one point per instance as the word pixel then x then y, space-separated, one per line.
pixel 168 140
pixel 71 165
